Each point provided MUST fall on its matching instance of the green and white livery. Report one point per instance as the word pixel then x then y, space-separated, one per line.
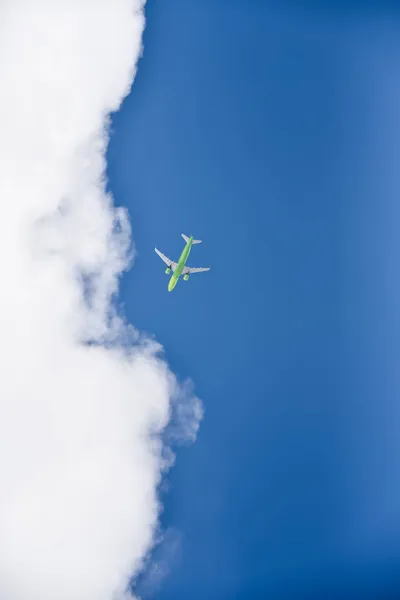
pixel 180 268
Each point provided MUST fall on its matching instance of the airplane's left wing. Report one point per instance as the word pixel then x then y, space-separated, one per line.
pixel 170 263
pixel 190 270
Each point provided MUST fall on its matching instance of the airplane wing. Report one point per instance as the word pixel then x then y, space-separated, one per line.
pixel 191 270
pixel 170 263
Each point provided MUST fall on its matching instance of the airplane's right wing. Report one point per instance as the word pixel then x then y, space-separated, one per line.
pixel 190 270
pixel 170 263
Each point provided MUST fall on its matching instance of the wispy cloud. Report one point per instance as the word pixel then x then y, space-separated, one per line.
pixel 80 450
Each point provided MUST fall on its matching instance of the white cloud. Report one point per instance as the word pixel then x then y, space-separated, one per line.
pixel 80 458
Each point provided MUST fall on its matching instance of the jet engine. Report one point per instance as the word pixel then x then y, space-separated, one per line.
pixel 168 270
pixel 186 277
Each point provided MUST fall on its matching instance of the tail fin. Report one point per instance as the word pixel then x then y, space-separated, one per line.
pixel 185 237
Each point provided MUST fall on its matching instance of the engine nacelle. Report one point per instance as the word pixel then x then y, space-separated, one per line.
pixel 186 277
pixel 168 270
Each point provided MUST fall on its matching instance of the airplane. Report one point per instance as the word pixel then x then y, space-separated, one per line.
pixel 180 268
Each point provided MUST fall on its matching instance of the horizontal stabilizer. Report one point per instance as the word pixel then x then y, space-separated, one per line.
pixel 185 237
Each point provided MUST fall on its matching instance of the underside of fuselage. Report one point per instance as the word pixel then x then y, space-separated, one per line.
pixel 172 283
pixel 181 264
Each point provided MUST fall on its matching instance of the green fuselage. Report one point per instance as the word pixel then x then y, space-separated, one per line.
pixel 181 263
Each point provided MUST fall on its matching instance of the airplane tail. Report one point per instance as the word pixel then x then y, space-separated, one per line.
pixel 185 237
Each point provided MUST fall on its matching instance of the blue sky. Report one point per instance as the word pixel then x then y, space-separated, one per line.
pixel 269 131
